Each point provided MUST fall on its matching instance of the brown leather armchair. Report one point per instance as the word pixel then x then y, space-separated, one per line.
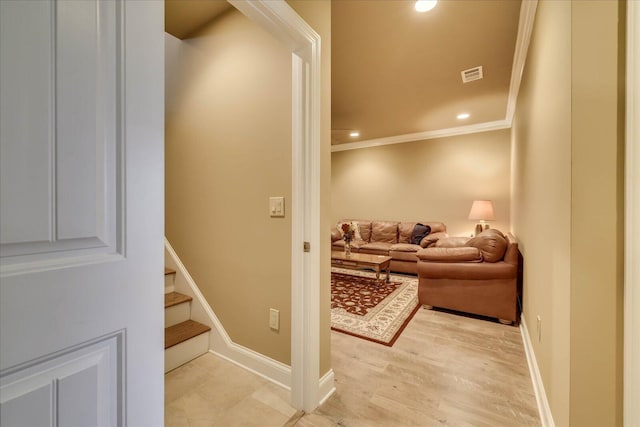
pixel 478 275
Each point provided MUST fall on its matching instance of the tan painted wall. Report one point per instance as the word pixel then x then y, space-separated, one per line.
pixel 566 208
pixel 541 212
pixel 597 172
pixel 318 15
pixel 432 180
pixel 228 148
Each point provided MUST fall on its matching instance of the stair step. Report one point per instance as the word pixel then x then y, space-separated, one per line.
pixel 168 271
pixel 182 332
pixel 175 298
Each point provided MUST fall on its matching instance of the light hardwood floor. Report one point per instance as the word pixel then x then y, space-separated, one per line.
pixel 444 370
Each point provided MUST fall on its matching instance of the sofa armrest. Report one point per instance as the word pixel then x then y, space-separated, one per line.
pixel 431 239
pixel 335 234
pixel 455 254
pixel 467 270
pixel 452 242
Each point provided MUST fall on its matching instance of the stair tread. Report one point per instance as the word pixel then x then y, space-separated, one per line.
pixel 181 332
pixel 175 298
pixel 169 271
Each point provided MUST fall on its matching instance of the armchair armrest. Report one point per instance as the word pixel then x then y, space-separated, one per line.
pixel 456 254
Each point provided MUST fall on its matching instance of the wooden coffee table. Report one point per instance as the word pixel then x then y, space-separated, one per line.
pixel 357 261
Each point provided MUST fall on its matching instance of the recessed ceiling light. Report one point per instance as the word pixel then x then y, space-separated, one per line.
pixel 354 134
pixel 425 5
pixel 463 116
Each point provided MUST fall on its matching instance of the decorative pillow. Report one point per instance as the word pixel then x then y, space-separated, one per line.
pixel 420 231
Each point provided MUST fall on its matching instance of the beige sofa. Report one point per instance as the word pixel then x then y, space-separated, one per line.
pixel 392 238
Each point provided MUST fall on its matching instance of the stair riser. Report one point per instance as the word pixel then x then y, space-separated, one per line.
pixel 169 283
pixel 177 314
pixel 186 351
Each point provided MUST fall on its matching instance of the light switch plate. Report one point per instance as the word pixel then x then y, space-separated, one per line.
pixel 274 319
pixel 276 207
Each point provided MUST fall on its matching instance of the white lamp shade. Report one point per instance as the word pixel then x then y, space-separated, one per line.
pixel 481 210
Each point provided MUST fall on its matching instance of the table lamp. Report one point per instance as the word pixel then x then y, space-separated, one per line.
pixel 482 211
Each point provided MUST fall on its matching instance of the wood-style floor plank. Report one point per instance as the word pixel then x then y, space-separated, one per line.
pixel 445 370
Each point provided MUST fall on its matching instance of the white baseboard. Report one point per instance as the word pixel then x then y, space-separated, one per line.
pixel 220 343
pixel 546 417
pixel 326 387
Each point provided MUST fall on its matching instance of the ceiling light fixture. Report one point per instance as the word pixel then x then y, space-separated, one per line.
pixel 354 134
pixel 463 116
pixel 425 5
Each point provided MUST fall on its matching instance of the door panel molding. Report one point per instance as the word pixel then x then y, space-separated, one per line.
pixel 50 388
pixel 68 205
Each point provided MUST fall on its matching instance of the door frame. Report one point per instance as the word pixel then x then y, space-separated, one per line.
pixel 631 410
pixel 282 22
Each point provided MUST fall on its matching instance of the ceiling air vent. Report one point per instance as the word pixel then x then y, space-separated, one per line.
pixel 472 74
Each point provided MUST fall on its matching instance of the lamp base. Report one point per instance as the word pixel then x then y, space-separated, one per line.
pixel 480 227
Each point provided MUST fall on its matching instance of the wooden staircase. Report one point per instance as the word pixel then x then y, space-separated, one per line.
pixel 184 338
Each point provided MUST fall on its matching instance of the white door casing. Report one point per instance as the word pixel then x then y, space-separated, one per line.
pixel 282 22
pixel 81 212
pixel 632 223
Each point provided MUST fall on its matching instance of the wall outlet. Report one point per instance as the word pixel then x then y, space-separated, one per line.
pixel 539 327
pixel 274 319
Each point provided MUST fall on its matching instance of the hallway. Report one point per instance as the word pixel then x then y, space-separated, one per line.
pixel 444 370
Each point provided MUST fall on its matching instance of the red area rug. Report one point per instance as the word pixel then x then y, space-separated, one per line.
pixel 365 308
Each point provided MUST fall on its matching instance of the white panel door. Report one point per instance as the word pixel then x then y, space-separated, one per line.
pixel 81 212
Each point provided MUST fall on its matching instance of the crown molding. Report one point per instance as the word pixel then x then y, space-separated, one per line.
pixel 525 28
pixel 421 136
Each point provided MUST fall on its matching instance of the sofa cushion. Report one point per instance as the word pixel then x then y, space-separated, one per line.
pixel 436 227
pixel 384 231
pixel 355 244
pixel 452 242
pixel 404 231
pixel 404 256
pixel 404 252
pixel 460 254
pixel 405 247
pixel 491 243
pixel 432 238
pixel 376 248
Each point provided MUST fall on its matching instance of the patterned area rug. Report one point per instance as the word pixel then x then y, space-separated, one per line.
pixel 378 312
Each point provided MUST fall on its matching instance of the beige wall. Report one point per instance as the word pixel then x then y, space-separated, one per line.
pixel 597 173
pixel 318 15
pixel 228 148
pixel 432 180
pixel 566 208
pixel 541 211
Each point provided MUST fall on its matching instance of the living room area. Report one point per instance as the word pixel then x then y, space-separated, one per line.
pixel 531 150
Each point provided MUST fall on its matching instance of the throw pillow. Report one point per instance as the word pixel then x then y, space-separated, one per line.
pixel 420 231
